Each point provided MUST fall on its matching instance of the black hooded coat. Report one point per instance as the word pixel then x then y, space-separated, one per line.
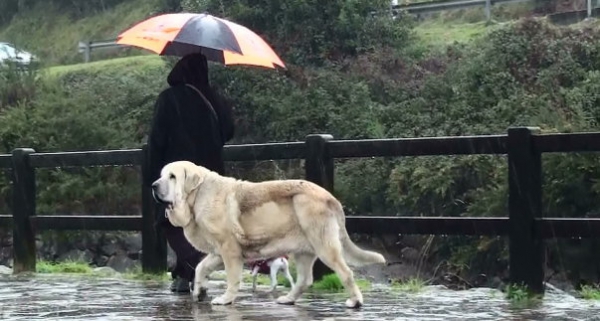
pixel 184 127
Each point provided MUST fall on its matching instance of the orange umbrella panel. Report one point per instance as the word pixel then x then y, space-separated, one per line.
pixel 186 33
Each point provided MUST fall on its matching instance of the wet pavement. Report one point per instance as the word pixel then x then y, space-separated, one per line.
pixel 76 297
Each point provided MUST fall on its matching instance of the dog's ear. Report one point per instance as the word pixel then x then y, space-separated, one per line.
pixel 191 180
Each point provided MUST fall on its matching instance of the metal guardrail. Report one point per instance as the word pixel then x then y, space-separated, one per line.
pixel 86 47
pixel 435 6
pixel 443 5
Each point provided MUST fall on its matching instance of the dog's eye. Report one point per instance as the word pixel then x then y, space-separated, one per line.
pixel 171 176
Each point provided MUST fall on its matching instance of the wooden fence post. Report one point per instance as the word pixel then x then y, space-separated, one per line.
pixel 154 245
pixel 23 208
pixel 319 170
pixel 525 205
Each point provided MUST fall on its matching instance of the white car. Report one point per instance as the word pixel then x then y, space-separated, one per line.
pixel 9 53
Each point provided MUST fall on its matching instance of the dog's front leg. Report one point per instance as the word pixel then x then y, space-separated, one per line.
pixel 209 264
pixel 232 259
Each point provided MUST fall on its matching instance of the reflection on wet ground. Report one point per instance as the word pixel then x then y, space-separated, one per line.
pixel 56 297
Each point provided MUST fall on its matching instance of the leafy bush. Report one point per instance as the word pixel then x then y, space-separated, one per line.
pixel 17 84
pixel 10 8
pixel 312 31
pixel 107 109
pixel 527 74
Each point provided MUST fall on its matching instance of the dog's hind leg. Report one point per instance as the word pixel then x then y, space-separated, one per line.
pixel 330 252
pixel 209 264
pixel 304 277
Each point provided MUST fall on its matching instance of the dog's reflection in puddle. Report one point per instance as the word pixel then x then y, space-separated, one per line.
pixel 261 306
pixel 258 310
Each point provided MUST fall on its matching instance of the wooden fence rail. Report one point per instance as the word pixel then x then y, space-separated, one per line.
pixel 524 225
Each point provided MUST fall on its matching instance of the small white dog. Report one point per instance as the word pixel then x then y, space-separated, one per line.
pixel 271 267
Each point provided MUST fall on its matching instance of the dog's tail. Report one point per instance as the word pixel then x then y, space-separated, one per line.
pixel 356 256
pixel 353 254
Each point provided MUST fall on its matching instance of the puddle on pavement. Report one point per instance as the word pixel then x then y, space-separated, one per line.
pixel 59 297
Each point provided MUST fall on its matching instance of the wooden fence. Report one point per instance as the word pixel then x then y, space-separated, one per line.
pixel 524 226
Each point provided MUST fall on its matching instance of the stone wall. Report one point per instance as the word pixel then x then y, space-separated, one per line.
pixel 119 250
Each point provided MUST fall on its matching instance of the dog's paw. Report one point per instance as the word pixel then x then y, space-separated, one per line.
pixel 353 303
pixel 200 294
pixel 285 300
pixel 221 300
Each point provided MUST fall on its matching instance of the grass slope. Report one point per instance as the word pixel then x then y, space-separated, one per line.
pixel 53 35
pixel 124 65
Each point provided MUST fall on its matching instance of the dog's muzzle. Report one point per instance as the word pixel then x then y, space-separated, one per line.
pixel 155 197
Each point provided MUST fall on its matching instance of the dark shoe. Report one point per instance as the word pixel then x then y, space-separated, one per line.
pixel 180 285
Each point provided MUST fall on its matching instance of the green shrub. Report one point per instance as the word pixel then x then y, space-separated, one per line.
pixel 590 292
pixel 332 283
pixel 63 267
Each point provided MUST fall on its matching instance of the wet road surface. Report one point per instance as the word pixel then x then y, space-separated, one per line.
pixel 77 297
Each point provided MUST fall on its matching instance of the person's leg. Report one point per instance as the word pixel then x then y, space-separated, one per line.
pixel 187 257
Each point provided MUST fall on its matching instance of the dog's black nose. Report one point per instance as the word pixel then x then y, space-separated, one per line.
pixel 156 198
pixel 154 185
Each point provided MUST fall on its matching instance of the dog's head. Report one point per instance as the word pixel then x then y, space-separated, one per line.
pixel 177 180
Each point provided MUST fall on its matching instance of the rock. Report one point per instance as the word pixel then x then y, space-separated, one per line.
pixel 6 255
pixel 389 240
pixel 497 283
pixel 120 262
pixel 53 246
pixel 109 249
pixel 135 255
pixel 410 254
pixel 559 280
pixel 6 240
pixel 480 280
pixel 5 270
pixel 76 255
pixel 132 243
pixel 105 271
pixel 93 241
pixel 101 260
pixel 79 244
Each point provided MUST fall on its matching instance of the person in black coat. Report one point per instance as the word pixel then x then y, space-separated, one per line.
pixel 186 126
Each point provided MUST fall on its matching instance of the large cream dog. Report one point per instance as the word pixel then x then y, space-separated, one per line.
pixel 233 220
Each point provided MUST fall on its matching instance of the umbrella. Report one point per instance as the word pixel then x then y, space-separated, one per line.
pixel 220 40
